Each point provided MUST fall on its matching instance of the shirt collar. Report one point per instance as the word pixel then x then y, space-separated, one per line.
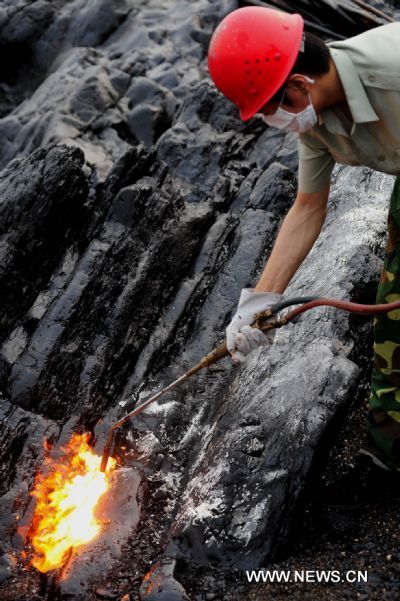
pixel 360 107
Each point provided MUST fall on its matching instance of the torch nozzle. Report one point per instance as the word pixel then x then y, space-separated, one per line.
pixel 106 451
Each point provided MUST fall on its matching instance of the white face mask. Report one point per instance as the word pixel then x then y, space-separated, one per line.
pixel 298 122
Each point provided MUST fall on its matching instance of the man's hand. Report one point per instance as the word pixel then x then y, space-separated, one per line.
pixel 241 338
pixel 299 230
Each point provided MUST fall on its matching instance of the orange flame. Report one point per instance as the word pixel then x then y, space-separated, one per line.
pixel 67 495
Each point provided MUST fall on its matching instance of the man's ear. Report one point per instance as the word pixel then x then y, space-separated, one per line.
pixel 296 80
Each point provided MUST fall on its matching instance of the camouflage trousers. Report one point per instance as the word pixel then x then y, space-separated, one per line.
pixel 382 435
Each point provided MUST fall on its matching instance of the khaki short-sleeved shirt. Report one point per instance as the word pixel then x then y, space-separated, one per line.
pixel 369 69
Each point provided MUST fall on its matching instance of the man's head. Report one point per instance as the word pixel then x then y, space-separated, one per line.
pixel 261 60
pixel 313 61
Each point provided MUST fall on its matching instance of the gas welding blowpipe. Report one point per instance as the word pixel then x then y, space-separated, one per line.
pixel 264 321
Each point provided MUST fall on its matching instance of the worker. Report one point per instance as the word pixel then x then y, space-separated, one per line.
pixel 342 99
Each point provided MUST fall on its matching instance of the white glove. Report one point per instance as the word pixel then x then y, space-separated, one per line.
pixel 241 338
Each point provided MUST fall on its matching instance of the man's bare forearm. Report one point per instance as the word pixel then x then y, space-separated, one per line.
pixel 296 237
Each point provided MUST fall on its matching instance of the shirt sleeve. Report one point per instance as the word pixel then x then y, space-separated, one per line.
pixel 315 167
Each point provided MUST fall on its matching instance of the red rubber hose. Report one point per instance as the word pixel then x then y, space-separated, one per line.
pixel 343 305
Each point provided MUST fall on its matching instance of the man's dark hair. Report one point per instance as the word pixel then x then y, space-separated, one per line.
pixel 313 60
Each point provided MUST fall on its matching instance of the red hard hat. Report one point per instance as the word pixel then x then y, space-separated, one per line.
pixel 251 53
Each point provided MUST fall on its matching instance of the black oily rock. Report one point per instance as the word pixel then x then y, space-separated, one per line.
pixel 233 498
pixel 142 123
pixel 143 89
pixel 24 22
pixel 7 565
pixel 92 51
pixel 42 209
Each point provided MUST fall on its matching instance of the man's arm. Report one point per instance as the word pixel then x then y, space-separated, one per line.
pixel 299 231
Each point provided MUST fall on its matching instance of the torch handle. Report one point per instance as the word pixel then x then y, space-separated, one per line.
pixel 263 321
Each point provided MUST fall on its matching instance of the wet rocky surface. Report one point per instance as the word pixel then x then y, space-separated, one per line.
pixel 134 207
